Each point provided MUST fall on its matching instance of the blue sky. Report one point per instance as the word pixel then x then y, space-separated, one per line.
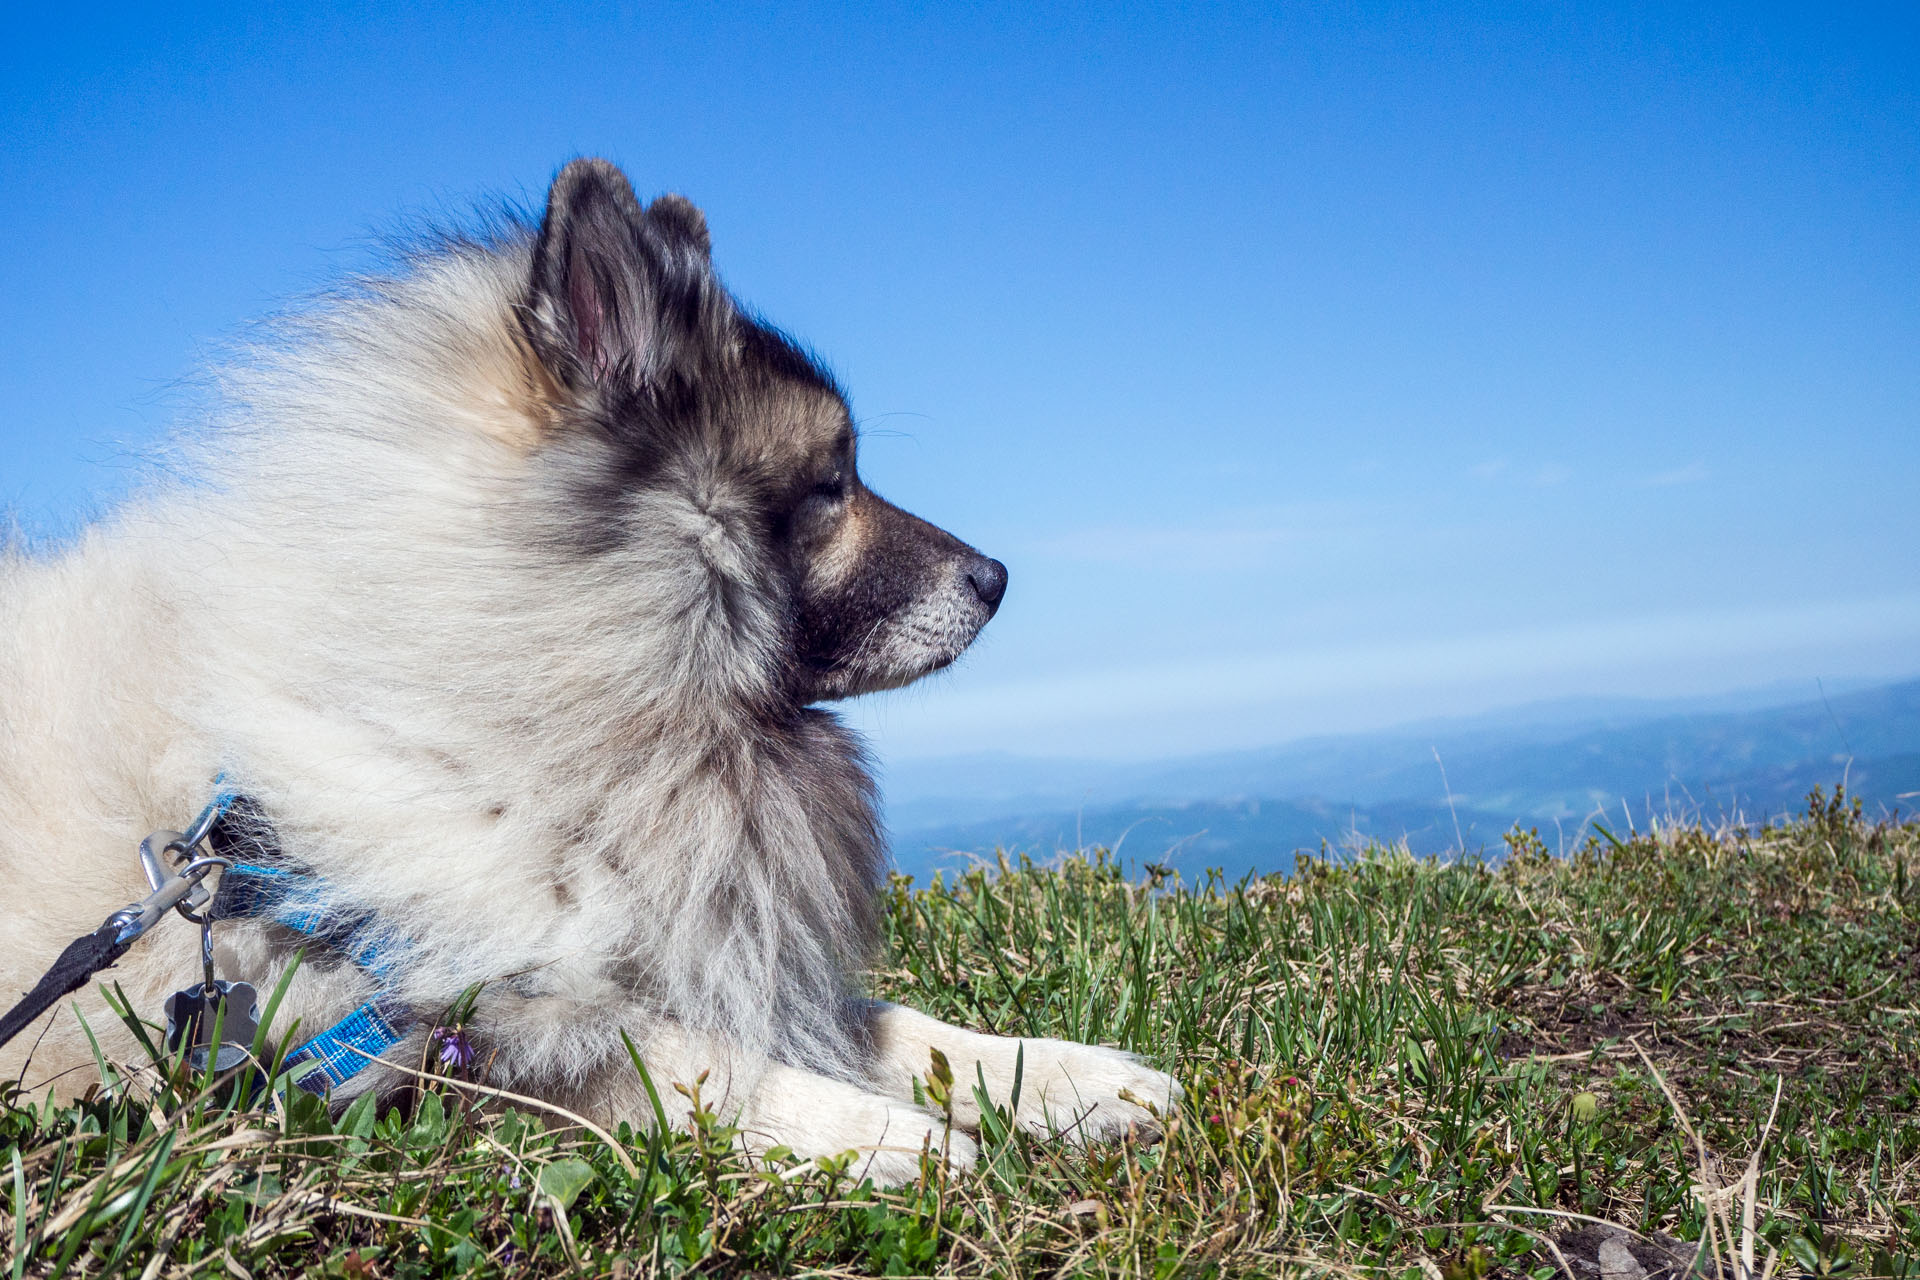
pixel 1312 368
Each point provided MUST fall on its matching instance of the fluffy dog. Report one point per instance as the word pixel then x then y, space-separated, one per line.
pixel 507 585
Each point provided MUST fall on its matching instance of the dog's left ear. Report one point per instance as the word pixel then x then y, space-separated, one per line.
pixel 614 285
pixel 682 225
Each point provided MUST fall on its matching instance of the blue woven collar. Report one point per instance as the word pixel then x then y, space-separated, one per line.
pixel 263 884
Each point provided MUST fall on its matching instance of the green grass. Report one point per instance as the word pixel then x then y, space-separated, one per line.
pixel 1394 1066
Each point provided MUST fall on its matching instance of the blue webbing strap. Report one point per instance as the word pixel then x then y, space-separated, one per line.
pixel 371 1030
pixel 216 809
pixel 289 898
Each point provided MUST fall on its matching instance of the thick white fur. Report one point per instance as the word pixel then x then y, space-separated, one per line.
pixel 524 760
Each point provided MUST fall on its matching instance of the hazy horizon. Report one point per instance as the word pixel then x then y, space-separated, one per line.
pixel 1444 786
pixel 1571 712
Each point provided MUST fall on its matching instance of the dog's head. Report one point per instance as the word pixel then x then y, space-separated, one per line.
pixel 662 384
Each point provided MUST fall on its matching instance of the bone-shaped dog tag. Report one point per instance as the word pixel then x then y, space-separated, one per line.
pixel 191 1015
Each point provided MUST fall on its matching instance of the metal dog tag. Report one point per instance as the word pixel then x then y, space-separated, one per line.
pixel 191 1015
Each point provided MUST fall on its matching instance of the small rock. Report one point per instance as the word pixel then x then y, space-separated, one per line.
pixel 1618 1263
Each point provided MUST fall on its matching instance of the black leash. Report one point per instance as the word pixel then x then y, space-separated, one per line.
pixel 83 958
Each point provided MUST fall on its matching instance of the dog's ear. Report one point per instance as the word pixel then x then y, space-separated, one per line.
pixel 681 225
pixel 608 275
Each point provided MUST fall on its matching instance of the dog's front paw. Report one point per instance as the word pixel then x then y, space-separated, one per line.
pixel 1086 1093
pixel 892 1157
pixel 817 1118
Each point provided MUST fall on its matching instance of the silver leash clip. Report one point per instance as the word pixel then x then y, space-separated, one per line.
pixel 193 1011
pixel 179 889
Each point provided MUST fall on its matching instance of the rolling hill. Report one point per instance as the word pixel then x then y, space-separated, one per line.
pixel 1560 768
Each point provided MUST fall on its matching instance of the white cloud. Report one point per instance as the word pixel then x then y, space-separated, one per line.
pixel 1540 477
pixel 1252 540
pixel 1173 547
pixel 1692 473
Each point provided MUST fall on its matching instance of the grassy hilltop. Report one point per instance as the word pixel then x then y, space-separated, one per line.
pixel 1396 1066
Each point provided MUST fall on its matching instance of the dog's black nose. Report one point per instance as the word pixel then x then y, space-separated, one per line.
pixel 989 579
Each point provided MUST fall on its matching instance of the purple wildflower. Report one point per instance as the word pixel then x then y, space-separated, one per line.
pixel 456 1050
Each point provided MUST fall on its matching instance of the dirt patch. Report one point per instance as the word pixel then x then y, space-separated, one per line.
pixel 1596 1251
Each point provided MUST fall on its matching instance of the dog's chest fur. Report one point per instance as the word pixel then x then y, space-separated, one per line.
pixel 562 769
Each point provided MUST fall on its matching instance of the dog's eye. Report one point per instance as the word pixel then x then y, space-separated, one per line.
pixel 832 489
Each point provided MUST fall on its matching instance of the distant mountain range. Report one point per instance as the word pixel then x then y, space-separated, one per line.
pixel 1560 767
